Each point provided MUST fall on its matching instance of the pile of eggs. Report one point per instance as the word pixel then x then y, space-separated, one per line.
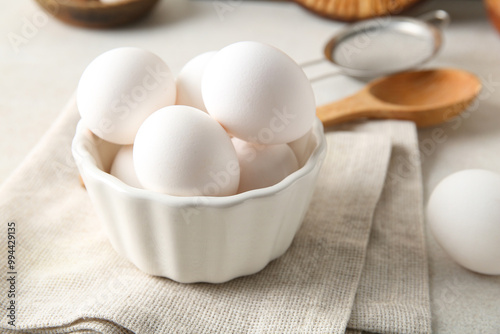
pixel 221 127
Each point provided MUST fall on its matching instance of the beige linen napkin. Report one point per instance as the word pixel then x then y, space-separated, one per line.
pixel 358 260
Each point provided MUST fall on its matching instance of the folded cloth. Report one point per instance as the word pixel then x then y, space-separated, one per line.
pixel 358 262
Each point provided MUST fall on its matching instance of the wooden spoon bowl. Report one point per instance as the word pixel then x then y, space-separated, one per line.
pixel 97 14
pixel 426 97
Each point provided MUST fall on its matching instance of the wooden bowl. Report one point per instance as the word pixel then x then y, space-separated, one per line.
pixel 96 14
pixel 355 10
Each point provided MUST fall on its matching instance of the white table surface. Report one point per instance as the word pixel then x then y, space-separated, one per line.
pixel 40 75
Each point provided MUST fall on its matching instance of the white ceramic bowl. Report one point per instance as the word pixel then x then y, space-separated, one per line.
pixel 199 239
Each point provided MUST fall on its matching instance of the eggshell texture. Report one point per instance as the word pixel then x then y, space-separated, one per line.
pixel 189 81
pixel 180 150
pixel 258 93
pixel 123 167
pixel 263 165
pixel 119 89
pixel 464 215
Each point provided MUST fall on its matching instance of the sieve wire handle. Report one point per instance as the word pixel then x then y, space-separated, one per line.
pixel 438 18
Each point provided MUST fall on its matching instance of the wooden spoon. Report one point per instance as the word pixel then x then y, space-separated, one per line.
pixel 426 97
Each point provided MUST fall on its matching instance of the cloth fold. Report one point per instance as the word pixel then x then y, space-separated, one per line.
pixel 357 264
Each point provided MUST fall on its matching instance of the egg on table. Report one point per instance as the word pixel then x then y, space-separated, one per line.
pixel 123 167
pixel 189 81
pixel 258 93
pixel 181 150
pixel 119 89
pixel 263 165
pixel 463 214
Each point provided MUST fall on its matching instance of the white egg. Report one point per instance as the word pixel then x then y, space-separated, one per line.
pixel 123 167
pixel 180 150
pixel 189 81
pixel 119 89
pixel 263 165
pixel 258 93
pixel 303 147
pixel 464 215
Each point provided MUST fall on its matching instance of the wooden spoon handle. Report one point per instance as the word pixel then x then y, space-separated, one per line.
pixel 348 109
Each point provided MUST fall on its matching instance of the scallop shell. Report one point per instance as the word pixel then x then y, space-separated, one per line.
pixel 354 10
